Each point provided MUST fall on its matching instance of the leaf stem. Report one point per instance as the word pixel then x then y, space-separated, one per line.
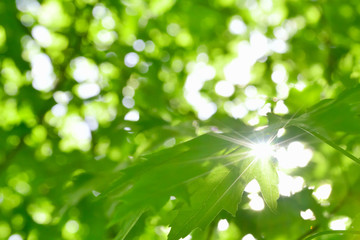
pixel 332 232
pixel 331 143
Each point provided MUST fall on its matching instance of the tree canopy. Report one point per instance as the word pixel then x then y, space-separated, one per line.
pixel 165 119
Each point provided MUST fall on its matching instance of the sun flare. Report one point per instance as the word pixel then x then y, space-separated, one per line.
pixel 262 150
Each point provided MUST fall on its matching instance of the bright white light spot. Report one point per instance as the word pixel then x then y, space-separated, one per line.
pixel 80 130
pixel 75 131
pixel 294 156
pixel 252 187
pixel 289 185
pixel 278 46
pixel 105 37
pixel 265 109
pixel 281 33
pixel 281 132
pixel 84 70
pixel 15 237
pixel 95 193
pixel 88 90
pixel 92 122
pixel 295 24
pixel 223 225
pixel 254 121
pixel 256 202
pixel 237 26
pixel 42 35
pixel 253 104
pixel 250 91
pixel 238 71
pixel 281 108
pixel 279 74
pixel 224 88
pixel 99 11
pixel 266 5
pixel 340 224
pixel 300 155
pixel 165 230
pixel 262 151
pixel 139 45
pixel 31 6
pixel 72 226
pixel 200 73
pixel 260 128
pixel 284 159
pixel 172 198
pixel 42 72
pixel 259 44
pixel 300 85
pixel 282 90
pixel 238 111
pixel 62 97
pixel 59 110
pixel 128 102
pixel 248 237
pixel 131 59
pixel 133 116
pixel 207 111
pixel 308 215
pixel 188 237
pixel 323 192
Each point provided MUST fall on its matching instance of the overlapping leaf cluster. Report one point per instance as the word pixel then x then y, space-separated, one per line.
pixel 209 173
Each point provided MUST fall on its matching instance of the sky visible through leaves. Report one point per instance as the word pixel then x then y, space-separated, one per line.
pixel 169 119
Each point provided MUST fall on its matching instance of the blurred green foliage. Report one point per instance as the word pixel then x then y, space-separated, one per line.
pixel 120 119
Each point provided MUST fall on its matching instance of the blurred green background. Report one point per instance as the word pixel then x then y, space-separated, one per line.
pixel 88 86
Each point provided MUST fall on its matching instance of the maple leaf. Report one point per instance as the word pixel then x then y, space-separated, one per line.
pixel 209 172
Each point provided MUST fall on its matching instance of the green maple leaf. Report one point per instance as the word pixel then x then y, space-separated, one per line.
pixel 222 190
pixel 209 172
